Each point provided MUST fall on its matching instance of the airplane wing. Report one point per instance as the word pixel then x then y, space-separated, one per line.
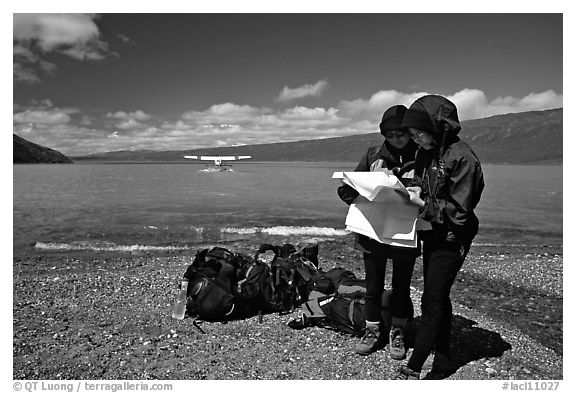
pixel 218 158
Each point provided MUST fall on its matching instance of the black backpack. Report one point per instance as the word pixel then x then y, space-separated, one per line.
pixel 338 281
pixel 292 274
pixel 223 285
pixel 211 277
pixel 254 290
pixel 343 314
pixel 341 307
pixel 340 313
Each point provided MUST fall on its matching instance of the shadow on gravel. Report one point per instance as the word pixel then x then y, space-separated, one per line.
pixel 468 342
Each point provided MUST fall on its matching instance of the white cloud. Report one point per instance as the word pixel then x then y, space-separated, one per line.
pixel 301 118
pixel 303 113
pixel 136 115
pixel 27 65
pixel 129 120
pixel 308 90
pixel 24 74
pixel 228 113
pixel 41 117
pixel 125 39
pixel 42 112
pixel 374 107
pixel 129 124
pixel 473 104
pixel 34 35
pixel 177 125
pixel 24 53
pixel 55 32
pixel 539 101
pixel 85 121
pixel 230 124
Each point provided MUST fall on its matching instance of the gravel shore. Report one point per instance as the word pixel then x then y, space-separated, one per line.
pixel 108 316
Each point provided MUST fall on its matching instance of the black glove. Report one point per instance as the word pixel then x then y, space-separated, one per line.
pixel 347 194
pixel 399 172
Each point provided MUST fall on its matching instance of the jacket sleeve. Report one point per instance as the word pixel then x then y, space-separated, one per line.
pixel 347 193
pixel 466 185
pixel 454 210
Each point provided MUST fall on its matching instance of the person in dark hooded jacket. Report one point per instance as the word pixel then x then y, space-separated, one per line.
pixel 395 154
pixel 447 186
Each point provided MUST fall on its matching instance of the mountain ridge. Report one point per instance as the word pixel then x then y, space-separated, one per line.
pixel 26 152
pixel 516 138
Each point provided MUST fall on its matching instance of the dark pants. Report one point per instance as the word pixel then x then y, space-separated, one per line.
pixel 442 261
pixel 375 268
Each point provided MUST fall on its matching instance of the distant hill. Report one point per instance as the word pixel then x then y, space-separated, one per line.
pixel 515 138
pixel 27 152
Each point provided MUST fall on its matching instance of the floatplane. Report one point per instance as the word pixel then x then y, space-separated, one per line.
pixel 218 162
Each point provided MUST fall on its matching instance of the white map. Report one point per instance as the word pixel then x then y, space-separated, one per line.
pixel 381 211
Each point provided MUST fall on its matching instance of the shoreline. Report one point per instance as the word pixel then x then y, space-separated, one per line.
pixel 93 315
pixel 352 164
pixel 189 239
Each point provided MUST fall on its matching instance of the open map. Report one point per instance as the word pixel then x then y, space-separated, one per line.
pixel 381 211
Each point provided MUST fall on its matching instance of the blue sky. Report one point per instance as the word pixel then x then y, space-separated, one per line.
pixel 87 83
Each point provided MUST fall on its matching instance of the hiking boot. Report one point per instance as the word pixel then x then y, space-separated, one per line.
pixel 442 367
pixel 370 341
pixel 404 372
pixel 397 348
pixel 437 375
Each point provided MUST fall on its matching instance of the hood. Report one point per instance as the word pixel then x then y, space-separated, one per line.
pixel 434 114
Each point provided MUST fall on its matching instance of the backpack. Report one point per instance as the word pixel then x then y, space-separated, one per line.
pixel 341 307
pixel 291 273
pixel 341 313
pixel 339 281
pixel 223 285
pixel 254 290
pixel 210 279
pixel 334 312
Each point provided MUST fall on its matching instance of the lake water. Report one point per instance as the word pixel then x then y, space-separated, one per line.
pixel 128 206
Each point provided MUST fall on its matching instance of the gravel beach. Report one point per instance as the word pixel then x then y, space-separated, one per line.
pixel 103 316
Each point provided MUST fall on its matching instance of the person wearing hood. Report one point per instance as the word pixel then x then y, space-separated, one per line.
pixel 447 186
pixel 397 154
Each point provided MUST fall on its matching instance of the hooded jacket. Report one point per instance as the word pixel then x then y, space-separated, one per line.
pixel 449 175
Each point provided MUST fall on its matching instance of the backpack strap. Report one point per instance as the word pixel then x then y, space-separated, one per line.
pixel 240 282
pixel 313 308
pixel 351 312
pixel 196 324
pixel 231 309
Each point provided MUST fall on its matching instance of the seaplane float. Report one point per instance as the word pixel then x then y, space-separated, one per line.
pixel 218 164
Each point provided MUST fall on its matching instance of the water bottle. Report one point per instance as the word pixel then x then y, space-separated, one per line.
pixel 180 303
